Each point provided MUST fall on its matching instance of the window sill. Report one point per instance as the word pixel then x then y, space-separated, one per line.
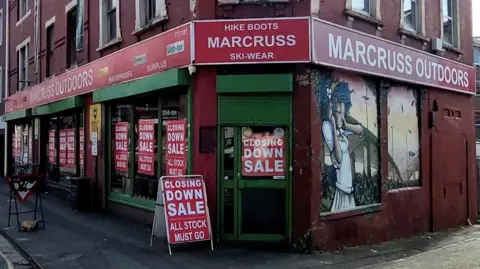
pixel 413 34
pixel 452 48
pixel 361 210
pixel 151 24
pixel 125 199
pixel 23 18
pixel 109 44
pixel 236 2
pixel 404 189
pixel 364 17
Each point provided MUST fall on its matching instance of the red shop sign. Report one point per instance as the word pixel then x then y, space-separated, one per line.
pixel 263 154
pixel 186 211
pixel 51 147
pixel 71 147
pixel 167 50
pixel 342 47
pixel 146 147
pixel 252 41
pixel 121 146
pixel 63 147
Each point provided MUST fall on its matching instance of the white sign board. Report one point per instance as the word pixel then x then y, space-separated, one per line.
pixel 94 144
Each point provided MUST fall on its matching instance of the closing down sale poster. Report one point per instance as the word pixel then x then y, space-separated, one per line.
pixel 263 154
pixel 186 211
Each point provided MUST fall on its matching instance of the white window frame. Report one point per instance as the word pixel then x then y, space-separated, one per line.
pixel 140 13
pixel 374 8
pixel 24 45
pixel 420 17
pixel 28 11
pixel 1 27
pixel 103 25
pixel 455 23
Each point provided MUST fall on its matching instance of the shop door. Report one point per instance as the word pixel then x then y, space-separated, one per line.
pixel 449 157
pixel 254 178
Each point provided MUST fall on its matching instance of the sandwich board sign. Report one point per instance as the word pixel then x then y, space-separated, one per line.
pixel 186 216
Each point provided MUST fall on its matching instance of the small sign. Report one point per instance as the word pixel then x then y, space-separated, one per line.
pixel 95 119
pixel 186 211
pixel 94 144
pixel 71 152
pixel 81 150
pixel 63 147
pixel 263 154
pixel 146 147
pixel 52 158
pixel 22 186
pixel 121 146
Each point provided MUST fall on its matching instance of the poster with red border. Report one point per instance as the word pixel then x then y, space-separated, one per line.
pixel 186 210
pixel 71 143
pixel 176 152
pixel 121 146
pixel 52 158
pixel 63 147
pixel 146 147
pixel 263 154
pixel 81 146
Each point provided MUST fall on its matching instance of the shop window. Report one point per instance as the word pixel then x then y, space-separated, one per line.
pixel 65 148
pixel 146 149
pixel 138 150
pixel 348 109
pixel 121 140
pixel 22 147
pixel 403 138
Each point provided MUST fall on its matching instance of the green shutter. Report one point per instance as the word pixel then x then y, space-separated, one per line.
pixel 267 109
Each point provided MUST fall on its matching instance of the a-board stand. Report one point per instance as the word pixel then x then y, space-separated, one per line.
pixel 160 197
pixel 13 197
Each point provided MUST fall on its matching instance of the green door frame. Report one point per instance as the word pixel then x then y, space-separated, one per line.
pixel 238 183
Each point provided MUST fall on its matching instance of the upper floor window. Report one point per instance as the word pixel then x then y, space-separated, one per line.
pixel 22 9
pixel 411 14
pixel 361 8
pixel 23 67
pixel 149 12
pixel 71 37
pixel 362 5
pixel 49 52
pixel 476 56
pixel 477 84
pixel 109 22
pixel 449 20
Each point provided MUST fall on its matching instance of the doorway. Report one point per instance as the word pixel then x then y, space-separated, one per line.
pixel 254 179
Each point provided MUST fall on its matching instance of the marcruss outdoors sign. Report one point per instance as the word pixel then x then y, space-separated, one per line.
pixel 341 47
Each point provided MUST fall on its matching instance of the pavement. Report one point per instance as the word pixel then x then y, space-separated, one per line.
pixel 76 240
